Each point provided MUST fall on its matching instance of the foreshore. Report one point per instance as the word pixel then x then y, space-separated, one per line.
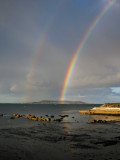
pixel 30 132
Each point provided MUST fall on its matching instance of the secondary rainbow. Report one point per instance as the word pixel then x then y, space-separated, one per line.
pixel 80 47
pixel 34 62
pixel 38 50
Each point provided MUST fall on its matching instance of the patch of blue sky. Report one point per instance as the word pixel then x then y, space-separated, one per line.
pixel 115 89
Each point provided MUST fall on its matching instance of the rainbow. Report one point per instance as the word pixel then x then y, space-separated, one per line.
pixel 34 63
pixel 80 47
pixel 38 50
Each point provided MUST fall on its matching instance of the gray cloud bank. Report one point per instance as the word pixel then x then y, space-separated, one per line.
pixel 23 27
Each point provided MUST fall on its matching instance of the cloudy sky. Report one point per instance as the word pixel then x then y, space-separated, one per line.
pixel 37 42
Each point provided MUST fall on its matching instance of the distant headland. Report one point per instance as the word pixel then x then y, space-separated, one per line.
pixel 58 102
pixel 50 102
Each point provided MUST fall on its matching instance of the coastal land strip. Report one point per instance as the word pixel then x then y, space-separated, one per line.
pixel 105 109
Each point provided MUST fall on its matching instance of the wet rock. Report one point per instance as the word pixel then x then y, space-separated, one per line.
pixel 47 119
pixel 12 117
pixel 66 115
pixel 63 116
pixel 64 138
pixel 28 116
pixel 60 138
pixel 22 115
pixel 61 119
pixel 58 120
pixel 98 121
pixel 101 121
pixel 52 119
pixel 52 116
pixel 93 121
pixel 33 116
pixel 35 119
pixel 17 116
pixel 104 121
pixel 40 118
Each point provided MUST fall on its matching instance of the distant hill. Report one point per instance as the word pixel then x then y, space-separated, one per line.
pixel 57 102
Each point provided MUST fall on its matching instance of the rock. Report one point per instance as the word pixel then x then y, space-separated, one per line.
pixel 35 119
pixel 61 119
pixel 98 121
pixel 60 138
pixel 17 116
pixel 28 116
pixel 33 116
pixel 66 115
pixel 93 121
pixel 47 119
pixel 52 119
pixel 1 115
pixel 22 115
pixel 12 117
pixel 58 120
pixel 63 116
pixel 101 121
pixel 40 118
pixel 52 116
pixel 104 121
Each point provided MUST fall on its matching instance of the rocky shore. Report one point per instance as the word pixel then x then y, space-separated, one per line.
pixel 105 109
pixel 57 133
pixel 46 118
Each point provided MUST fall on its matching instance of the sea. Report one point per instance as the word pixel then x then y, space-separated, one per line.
pixel 73 138
pixel 42 110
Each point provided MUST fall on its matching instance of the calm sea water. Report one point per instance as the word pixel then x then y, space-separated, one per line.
pixel 41 110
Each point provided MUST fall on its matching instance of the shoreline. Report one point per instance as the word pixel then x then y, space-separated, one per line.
pixel 105 109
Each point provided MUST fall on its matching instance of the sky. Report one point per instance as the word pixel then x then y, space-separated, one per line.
pixel 37 42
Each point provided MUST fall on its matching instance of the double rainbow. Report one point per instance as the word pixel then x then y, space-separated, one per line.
pixel 80 47
pixel 38 50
